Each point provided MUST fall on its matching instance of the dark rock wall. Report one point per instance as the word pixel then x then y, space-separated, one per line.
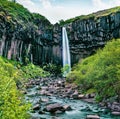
pixel 40 42
pixel 37 41
pixel 85 36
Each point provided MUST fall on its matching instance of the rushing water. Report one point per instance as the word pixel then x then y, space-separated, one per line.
pixel 80 109
pixel 66 53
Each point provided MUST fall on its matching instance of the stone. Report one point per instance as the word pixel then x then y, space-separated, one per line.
pixel 75 95
pixel 54 107
pixel 67 107
pixel 81 96
pixel 43 92
pixel 92 95
pixel 87 96
pixel 44 100
pixel 41 112
pixel 58 112
pixel 116 113
pixel 90 100
pixel 69 91
pixel 92 117
pixel 36 107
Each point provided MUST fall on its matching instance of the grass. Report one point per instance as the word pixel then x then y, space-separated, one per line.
pixel 18 12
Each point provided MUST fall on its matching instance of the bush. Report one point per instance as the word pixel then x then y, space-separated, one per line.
pixel 33 71
pixel 100 72
pixel 55 70
pixel 12 105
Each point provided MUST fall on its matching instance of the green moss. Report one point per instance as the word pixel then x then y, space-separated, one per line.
pixel 100 72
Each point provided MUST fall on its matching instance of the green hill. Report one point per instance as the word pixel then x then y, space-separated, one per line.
pixel 100 73
pixel 15 11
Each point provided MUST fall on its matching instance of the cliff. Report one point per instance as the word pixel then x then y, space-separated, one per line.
pixel 25 36
pixel 90 32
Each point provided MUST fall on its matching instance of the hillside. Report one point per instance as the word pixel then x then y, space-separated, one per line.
pixel 100 73
pixel 15 11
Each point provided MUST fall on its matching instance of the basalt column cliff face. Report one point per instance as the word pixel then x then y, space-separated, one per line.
pixel 29 39
pixel 25 36
pixel 88 34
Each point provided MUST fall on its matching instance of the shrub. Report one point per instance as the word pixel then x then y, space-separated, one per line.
pixel 12 105
pixel 100 72
pixel 33 71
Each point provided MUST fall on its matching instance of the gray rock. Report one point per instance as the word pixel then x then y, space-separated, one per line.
pixel 75 95
pixel 36 107
pixel 58 112
pixel 67 107
pixel 81 96
pixel 54 107
pixel 92 117
pixel 116 113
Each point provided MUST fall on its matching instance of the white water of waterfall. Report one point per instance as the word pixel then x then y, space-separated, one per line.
pixel 66 53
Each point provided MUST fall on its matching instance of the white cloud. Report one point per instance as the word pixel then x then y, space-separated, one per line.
pixel 28 4
pixel 46 3
pixel 98 3
pixel 101 4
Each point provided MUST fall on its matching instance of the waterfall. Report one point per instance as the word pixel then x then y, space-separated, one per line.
pixel 65 53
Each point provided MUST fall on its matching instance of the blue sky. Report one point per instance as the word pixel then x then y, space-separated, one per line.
pixel 55 10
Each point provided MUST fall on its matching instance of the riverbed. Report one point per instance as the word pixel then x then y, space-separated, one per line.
pixel 79 109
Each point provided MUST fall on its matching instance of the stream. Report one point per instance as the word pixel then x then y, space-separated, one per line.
pixel 80 109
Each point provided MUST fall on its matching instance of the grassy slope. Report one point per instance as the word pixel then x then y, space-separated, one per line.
pixel 10 105
pixel 18 12
pixel 100 73
pixel 93 15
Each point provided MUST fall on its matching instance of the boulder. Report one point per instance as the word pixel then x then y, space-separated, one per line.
pixel 75 95
pixel 92 117
pixel 92 95
pixel 41 112
pixel 58 112
pixel 115 107
pixel 54 107
pixel 81 96
pixel 116 113
pixel 36 107
pixel 67 107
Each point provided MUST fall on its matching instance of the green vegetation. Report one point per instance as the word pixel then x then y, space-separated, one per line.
pixel 93 15
pixel 12 105
pixel 32 71
pixel 17 12
pixel 100 73
pixel 55 70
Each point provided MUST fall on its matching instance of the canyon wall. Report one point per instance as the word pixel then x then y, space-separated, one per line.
pixel 40 42
pixel 34 40
pixel 87 35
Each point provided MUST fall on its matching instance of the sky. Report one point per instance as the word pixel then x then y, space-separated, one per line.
pixel 55 10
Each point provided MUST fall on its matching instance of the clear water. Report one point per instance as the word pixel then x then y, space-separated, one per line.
pixel 80 108
pixel 66 52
